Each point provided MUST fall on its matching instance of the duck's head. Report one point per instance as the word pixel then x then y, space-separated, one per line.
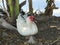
pixel 31 18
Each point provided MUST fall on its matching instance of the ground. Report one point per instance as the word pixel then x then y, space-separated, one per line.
pixel 45 35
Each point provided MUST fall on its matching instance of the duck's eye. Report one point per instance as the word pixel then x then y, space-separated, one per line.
pixel 31 18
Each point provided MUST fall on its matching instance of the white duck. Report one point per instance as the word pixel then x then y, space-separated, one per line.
pixel 27 27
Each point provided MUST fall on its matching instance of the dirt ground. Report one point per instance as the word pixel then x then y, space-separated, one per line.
pixel 45 36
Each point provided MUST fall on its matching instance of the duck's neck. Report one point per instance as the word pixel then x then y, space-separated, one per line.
pixel 29 22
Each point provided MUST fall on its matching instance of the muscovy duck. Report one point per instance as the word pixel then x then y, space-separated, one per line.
pixel 27 27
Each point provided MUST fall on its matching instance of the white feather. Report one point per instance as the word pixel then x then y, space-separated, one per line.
pixel 26 27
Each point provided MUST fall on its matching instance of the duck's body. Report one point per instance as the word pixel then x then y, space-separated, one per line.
pixel 26 27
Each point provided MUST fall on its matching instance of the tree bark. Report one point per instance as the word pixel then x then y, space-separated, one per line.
pixel 30 6
pixel 50 7
pixel 13 8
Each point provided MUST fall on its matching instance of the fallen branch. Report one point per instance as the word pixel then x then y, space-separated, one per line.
pixel 6 25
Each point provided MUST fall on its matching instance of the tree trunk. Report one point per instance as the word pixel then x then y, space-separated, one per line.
pixel 50 6
pixel 13 8
pixel 30 6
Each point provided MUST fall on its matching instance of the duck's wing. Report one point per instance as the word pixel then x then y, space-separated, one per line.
pixel 20 22
pixel 20 19
pixel 34 28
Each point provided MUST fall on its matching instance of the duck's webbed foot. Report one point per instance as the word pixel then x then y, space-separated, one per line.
pixel 31 40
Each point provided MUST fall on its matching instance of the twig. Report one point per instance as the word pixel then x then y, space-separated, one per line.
pixel 55 40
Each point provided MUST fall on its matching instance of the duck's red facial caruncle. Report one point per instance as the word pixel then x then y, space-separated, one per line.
pixel 32 18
